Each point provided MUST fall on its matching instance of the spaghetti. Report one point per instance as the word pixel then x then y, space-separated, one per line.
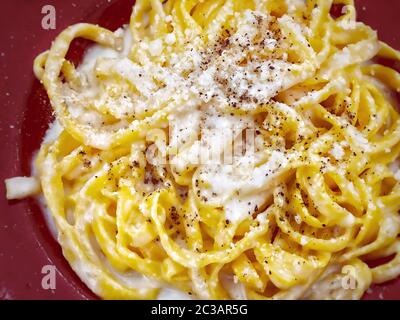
pixel 308 200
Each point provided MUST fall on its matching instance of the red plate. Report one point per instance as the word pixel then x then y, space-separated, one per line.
pixel 26 245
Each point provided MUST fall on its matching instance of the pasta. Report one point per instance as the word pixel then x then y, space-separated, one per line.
pixel 228 149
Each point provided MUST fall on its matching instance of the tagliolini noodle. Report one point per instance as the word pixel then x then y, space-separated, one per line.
pixel 299 216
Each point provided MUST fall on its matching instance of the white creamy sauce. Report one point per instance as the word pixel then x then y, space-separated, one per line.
pixel 235 288
pixel 294 5
pixel 131 279
pixel 241 187
pixel 395 168
pixel 397 175
pixel 168 293
pixel 52 133
pixel 337 151
pixel 87 274
pixel 97 51
pixel 92 54
pixel 48 217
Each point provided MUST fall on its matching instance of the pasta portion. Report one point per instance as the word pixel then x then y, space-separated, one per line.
pixel 227 149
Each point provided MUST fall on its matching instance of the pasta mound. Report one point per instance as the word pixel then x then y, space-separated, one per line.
pixel 312 195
